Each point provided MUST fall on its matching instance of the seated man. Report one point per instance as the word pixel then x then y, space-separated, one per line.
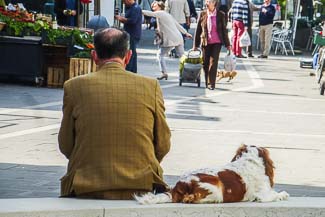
pixel 113 130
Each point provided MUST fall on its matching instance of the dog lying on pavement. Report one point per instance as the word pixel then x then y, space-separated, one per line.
pixel 248 177
pixel 225 74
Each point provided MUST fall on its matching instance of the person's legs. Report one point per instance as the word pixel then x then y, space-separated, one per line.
pixel 132 65
pixel 238 27
pixel 234 38
pixel 162 52
pixel 262 38
pixel 179 50
pixel 268 36
pixel 240 32
pixel 250 48
pixel 206 62
pixel 213 63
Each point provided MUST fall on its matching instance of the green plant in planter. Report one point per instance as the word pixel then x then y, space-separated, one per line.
pixel 15 28
pixel 58 36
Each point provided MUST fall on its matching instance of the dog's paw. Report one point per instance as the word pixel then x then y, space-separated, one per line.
pixel 270 196
pixel 283 195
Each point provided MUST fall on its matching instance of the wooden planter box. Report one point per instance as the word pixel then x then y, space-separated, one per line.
pixel 79 66
pixel 57 75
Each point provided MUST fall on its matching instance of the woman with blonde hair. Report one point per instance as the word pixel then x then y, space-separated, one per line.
pixel 210 34
pixel 171 32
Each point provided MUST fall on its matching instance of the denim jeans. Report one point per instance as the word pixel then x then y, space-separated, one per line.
pixel 132 66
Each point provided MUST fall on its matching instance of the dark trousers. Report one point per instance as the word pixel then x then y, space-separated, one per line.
pixel 249 30
pixel 211 54
pixel 132 66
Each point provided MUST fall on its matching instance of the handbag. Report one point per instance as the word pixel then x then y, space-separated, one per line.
pixel 159 39
pixel 244 40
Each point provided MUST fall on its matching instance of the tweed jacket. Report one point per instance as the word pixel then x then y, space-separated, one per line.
pixel 113 132
pixel 201 33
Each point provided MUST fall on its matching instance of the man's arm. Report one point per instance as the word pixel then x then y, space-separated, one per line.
pixel 67 132
pixel 161 130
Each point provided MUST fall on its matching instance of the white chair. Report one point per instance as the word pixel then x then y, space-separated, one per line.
pixel 283 39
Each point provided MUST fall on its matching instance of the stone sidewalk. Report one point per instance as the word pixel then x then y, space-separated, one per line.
pixel 271 102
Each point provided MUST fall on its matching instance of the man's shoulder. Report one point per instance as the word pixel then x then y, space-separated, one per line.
pixel 76 80
pixel 137 7
pixel 142 78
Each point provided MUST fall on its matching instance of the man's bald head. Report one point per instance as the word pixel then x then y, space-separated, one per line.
pixel 111 42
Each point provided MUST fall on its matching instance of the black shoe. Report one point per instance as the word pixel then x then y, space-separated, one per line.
pixel 241 56
pixel 251 55
pixel 262 56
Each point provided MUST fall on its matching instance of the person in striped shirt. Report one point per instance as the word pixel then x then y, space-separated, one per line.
pixel 239 17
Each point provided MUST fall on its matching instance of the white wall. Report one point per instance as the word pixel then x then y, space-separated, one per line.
pixel 107 10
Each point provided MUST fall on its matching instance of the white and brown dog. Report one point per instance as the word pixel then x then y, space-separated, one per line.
pixel 249 177
pixel 225 74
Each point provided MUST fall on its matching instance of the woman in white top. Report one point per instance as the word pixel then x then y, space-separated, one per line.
pixel 171 31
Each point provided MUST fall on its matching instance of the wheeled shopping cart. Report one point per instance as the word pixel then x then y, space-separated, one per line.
pixel 190 67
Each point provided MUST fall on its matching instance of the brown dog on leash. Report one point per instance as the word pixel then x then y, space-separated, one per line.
pixel 224 74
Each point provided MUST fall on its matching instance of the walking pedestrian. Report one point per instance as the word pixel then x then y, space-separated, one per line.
pixel 171 31
pixel 210 34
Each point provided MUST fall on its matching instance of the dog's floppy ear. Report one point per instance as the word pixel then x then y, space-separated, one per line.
pixel 268 164
pixel 239 152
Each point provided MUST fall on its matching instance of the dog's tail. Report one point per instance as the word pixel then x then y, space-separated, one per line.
pixel 150 198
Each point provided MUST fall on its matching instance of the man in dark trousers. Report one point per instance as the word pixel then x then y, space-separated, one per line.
pixel 132 25
pixel 267 13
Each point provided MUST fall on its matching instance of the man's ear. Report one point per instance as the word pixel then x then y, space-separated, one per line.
pixel 95 56
pixel 128 57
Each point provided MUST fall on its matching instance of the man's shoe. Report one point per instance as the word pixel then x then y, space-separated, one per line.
pixel 241 56
pixel 262 56
pixel 251 55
